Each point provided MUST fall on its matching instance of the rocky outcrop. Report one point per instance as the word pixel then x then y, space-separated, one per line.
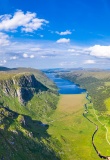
pixel 23 86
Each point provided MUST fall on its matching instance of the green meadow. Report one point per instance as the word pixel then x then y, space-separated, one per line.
pixel 72 130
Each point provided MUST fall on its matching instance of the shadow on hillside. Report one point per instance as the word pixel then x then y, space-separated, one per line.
pixel 28 89
pixel 7 69
pixel 29 140
pixel 28 93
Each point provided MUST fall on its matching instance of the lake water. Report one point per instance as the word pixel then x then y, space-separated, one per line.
pixel 65 86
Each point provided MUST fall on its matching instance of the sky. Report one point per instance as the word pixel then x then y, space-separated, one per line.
pixel 55 33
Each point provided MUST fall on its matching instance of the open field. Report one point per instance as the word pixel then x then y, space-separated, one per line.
pixel 72 130
pixel 71 103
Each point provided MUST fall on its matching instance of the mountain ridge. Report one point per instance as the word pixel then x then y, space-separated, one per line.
pixel 27 99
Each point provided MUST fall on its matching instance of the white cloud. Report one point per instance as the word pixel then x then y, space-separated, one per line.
pixel 100 51
pixel 71 50
pixel 4 39
pixel 43 56
pixel 14 58
pixel 28 22
pixel 75 51
pixel 25 55
pixel 64 33
pixel 63 40
pixel 4 61
pixel 32 56
pixel 89 61
pixel 35 49
pixel 67 64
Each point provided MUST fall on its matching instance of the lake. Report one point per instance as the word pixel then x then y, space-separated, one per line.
pixel 65 86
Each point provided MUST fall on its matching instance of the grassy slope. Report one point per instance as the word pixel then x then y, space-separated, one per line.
pixel 73 131
pixel 30 140
pixel 39 107
pixel 23 138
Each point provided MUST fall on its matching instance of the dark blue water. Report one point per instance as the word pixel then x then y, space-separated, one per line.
pixel 65 86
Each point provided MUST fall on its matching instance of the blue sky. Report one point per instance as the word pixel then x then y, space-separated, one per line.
pixel 55 33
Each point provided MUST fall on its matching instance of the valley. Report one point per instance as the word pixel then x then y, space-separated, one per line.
pixel 55 80
pixel 72 130
pixel 37 122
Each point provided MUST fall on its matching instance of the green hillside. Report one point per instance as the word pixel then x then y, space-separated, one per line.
pixel 97 111
pixel 27 99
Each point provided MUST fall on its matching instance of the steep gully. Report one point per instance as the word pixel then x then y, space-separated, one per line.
pixel 96 130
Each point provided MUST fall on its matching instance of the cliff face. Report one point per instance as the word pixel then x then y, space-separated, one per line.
pixel 22 86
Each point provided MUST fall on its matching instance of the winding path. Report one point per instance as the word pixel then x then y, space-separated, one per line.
pixel 84 114
pixel 102 125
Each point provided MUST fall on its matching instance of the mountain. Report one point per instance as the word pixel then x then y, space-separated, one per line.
pixel 27 98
